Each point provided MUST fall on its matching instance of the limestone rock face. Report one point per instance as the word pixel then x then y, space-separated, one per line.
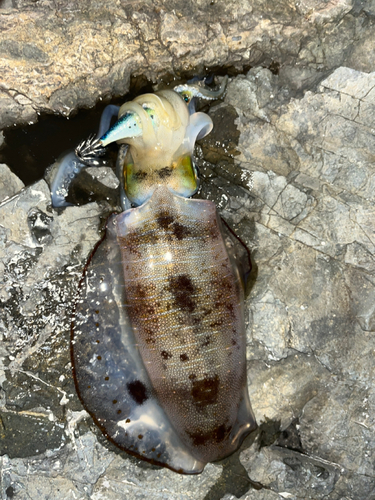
pixel 56 57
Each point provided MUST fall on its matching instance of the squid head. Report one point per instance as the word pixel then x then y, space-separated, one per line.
pixel 161 134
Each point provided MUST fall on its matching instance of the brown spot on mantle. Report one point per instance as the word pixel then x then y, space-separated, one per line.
pixel 205 391
pixel 182 289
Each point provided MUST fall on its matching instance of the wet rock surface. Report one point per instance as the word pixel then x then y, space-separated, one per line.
pixel 294 177
pixel 289 163
pixel 58 56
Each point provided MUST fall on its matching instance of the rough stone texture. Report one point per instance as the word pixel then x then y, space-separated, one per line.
pixel 309 220
pixel 87 470
pixel 10 185
pixel 312 306
pixel 141 484
pixel 57 56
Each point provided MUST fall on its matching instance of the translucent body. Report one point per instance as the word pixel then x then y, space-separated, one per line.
pixel 158 342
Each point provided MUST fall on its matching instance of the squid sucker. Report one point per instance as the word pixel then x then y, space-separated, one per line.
pixel 158 336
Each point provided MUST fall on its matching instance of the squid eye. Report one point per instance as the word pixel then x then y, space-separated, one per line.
pixel 186 98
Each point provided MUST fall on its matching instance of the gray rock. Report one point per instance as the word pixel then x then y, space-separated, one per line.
pixel 10 185
pixel 105 175
pixel 309 221
pixel 314 293
pixel 255 495
pixel 124 480
pixel 289 473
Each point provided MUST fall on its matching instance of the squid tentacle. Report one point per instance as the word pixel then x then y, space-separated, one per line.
pixel 85 154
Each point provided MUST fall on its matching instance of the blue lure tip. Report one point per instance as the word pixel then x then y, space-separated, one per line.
pixel 127 126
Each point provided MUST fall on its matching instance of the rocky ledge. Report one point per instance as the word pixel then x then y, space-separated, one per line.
pixel 58 56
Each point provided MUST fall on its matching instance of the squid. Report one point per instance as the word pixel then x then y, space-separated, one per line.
pixel 158 341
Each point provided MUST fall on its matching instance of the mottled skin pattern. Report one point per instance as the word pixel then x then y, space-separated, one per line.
pixel 159 343
pixel 185 303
